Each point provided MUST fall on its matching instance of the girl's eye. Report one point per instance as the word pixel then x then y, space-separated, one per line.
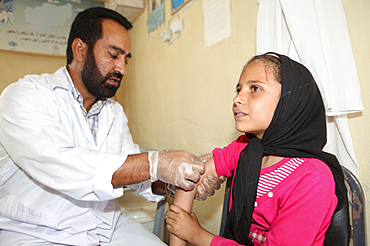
pixel 255 88
pixel 237 91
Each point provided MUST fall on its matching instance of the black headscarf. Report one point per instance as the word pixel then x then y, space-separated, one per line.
pixel 298 129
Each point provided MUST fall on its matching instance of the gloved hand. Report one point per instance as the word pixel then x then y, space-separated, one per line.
pixel 209 184
pixel 176 167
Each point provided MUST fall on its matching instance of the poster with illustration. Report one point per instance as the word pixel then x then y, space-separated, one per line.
pixel 39 26
pixel 6 12
pixel 155 14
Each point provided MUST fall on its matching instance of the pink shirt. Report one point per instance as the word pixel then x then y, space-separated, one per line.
pixel 296 210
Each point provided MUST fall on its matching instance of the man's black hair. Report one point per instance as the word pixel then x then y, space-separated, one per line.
pixel 88 27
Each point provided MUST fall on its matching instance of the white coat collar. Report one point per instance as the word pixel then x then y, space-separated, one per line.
pixel 60 79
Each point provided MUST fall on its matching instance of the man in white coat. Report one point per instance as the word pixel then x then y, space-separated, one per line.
pixel 66 150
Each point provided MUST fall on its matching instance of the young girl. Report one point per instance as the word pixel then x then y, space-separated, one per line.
pixel 285 189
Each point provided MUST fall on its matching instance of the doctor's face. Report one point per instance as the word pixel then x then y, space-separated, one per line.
pixel 105 63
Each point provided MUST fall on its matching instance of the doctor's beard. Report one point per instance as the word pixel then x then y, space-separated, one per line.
pixel 95 82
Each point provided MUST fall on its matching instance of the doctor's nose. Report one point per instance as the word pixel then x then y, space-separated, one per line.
pixel 121 66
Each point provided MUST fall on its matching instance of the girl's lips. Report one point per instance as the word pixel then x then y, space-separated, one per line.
pixel 239 114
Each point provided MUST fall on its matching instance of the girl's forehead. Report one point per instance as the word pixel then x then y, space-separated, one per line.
pixel 257 70
pixel 254 68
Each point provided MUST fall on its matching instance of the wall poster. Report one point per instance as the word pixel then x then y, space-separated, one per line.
pixel 178 4
pixel 155 14
pixel 39 26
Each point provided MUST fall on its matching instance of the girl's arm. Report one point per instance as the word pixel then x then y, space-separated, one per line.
pixel 184 224
pixel 182 205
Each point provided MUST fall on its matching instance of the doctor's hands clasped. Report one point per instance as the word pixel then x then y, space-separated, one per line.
pixel 176 167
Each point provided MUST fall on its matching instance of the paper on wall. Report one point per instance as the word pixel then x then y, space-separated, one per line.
pixel 216 21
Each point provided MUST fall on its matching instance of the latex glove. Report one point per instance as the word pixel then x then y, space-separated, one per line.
pixel 208 186
pixel 176 167
pixel 206 157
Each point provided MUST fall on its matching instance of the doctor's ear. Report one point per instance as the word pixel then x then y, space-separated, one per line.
pixel 79 49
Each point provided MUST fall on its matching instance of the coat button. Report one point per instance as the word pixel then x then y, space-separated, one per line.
pixel 270 194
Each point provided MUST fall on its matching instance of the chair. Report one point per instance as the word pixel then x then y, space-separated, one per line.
pixel 159 217
pixel 340 233
pixel 357 208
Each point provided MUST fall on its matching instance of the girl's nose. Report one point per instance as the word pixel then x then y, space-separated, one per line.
pixel 238 99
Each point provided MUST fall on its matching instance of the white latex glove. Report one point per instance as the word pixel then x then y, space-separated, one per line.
pixel 208 185
pixel 176 167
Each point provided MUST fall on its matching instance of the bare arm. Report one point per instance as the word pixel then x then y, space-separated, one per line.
pixel 183 199
pixel 134 170
pixel 185 224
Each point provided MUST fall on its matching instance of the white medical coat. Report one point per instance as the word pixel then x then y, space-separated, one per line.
pixel 55 183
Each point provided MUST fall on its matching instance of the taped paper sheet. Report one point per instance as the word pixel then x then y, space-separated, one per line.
pixel 216 21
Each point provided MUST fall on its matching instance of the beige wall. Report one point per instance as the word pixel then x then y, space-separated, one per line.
pixel 15 65
pixel 179 96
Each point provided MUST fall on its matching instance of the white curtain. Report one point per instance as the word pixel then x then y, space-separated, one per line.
pixel 315 33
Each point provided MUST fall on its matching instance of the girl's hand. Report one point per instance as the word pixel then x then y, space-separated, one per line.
pixel 181 223
pixel 186 226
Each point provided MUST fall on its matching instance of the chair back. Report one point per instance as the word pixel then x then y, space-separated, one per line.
pixel 339 231
pixel 356 208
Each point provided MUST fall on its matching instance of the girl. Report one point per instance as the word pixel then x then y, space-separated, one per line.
pixel 285 188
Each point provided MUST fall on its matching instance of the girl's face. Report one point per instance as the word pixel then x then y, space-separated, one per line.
pixel 257 97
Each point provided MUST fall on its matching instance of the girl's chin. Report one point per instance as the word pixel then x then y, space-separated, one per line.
pixel 240 129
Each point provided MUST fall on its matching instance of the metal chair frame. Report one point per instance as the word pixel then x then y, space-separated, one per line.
pixel 357 208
